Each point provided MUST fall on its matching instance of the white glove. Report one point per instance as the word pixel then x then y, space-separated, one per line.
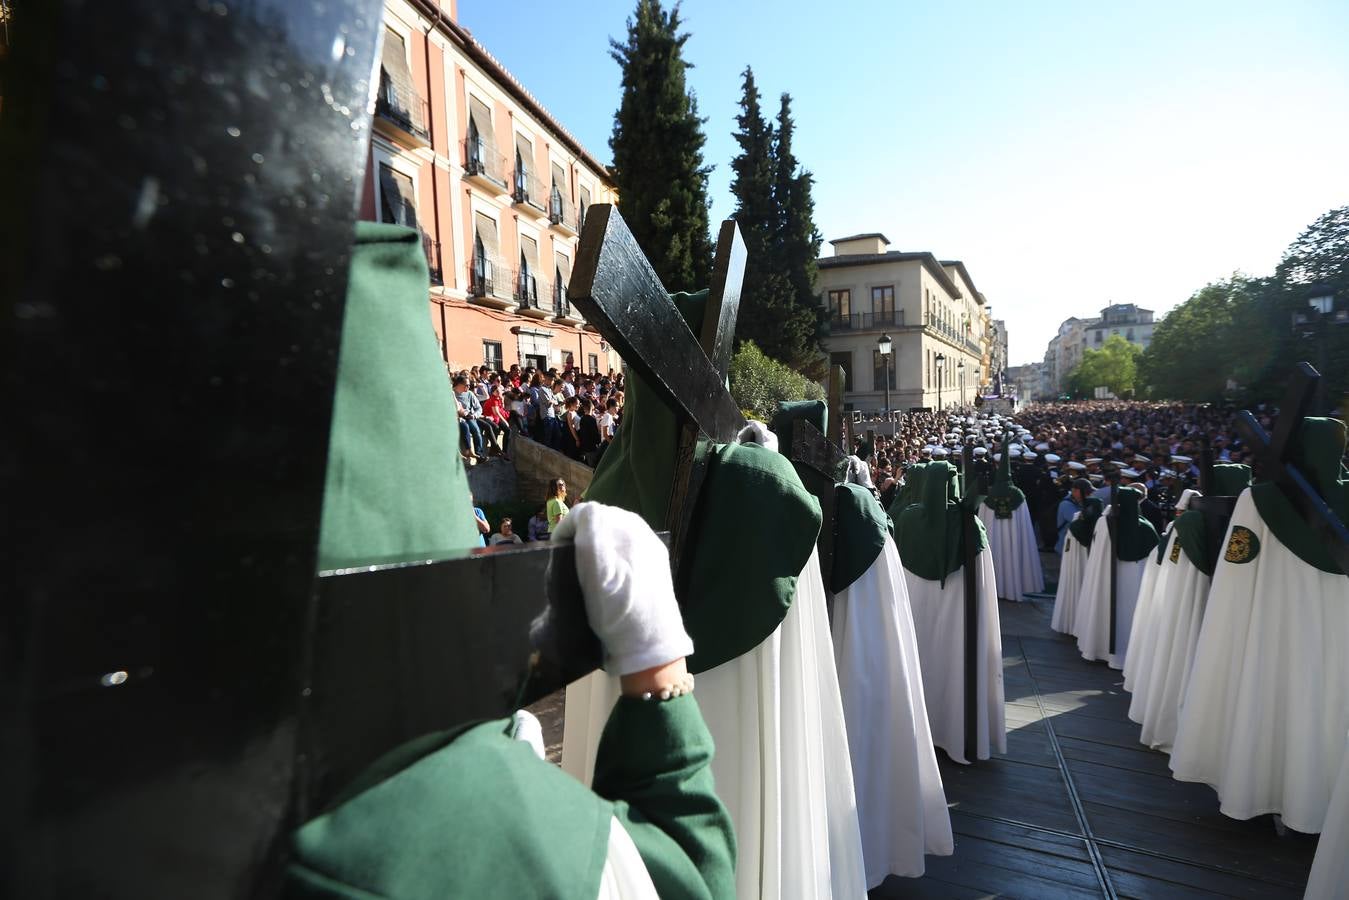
pixel 639 624
pixel 756 432
pixel 1185 497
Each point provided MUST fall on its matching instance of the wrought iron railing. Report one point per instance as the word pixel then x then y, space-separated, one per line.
pixel 481 158
pixel 528 189
pixel 862 321
pixel 432 250
pixel 402 106
pixel 560 209
pixel 526 289
pixel 488 278
pixel 561 306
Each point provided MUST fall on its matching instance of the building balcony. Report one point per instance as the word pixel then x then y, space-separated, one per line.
pixel 489 284
pixel 530 301
pixel 563 312
pixel 562 215
pixel 402 114
pixel 432 250
pixel 484 166
pixel 528 194
pixel 867 321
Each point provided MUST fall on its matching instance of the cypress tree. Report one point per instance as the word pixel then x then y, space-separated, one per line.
pixel 657 145
pixel 798 244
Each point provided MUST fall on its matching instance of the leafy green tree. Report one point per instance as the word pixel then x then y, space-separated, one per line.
pixel 1114 367
pixel 759 383
pixel 1189 357
pixel 657 143
pixel 1319 257
pixel 798 244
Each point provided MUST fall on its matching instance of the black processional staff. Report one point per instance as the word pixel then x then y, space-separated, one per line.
pixel 1112 529
pixel 969 538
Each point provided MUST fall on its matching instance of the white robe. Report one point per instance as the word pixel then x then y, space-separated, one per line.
pixel 1266 708
pixel 900 801
pixel 1016 554
pixel 939 622
pixel 1177 615
pixel 1072 569
pixel 781 764
pixel 1329 878
pixel 1093 604
pixel 1141 633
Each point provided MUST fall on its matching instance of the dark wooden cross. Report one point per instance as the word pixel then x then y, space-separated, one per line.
pixel 1112 531
pixel 1272 459
pixel 822 464
pixel 969 523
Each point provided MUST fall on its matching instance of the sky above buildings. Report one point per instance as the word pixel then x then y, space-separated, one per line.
pixel 1072 154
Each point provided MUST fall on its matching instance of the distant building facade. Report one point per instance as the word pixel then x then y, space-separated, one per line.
pixel 498 188
pixel 1025 381
pixel 997 355
pixel 931 310
pixel 1076 336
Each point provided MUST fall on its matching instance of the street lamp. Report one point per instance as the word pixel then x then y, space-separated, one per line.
pixel 1316 316
pixel 960 368
pixel 883 346
pixel 941 363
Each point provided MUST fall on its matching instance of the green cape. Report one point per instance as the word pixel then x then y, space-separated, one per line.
pixel 1004 497
pixel 1191 529
pixel 909 492
pixel 1083 528
pixel 861 528
pixel 754 526
pixel 816 412
pixel 1135 536
pixel 930 534
pixel 395 487
pixel 1317 452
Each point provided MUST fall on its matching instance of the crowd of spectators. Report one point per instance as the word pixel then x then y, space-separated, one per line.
pixel 570 411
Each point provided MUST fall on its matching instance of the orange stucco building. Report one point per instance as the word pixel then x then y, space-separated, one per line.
pixel 498 188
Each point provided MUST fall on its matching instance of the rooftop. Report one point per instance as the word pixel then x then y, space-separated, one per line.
pixel 859 237
pixel 930 262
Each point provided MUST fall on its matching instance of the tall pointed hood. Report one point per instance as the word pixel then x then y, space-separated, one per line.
pixel 1004 497
pixel 930 532
pixel 1135 536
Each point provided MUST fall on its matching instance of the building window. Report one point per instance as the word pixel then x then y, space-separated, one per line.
pixel 883 305
pixel 1129 335
pixel 882 367
pixel 843 359
pixel 491 355
pixel 397 197
pixel 593 363
pixel 1099 337
pixel 840 307
pixel 484 277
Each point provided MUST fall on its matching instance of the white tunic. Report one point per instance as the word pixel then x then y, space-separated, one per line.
pixel 939 622
pixel 1093 604
pixel 781 764
pixel 900 801
pixel 1266 708
pixel 1177 614
pixel 1016 555
pixel 1329 878
pixel 1141 633
pixel 1072 570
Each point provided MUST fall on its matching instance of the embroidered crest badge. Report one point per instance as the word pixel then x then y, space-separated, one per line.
pixel 1001 506
pixel 1243 546
pixel 1175 551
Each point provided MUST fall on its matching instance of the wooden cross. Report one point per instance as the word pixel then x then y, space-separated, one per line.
pixel 1272 455
pixel 970 530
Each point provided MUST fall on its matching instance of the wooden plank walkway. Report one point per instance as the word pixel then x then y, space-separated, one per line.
pixel 1077 807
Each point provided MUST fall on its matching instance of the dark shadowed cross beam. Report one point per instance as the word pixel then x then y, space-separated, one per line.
pixel 1272 456
pixel 969 511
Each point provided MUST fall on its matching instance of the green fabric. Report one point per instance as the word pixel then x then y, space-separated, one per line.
pixel 1317 451
pixel 1004 497
pixel 396 489
pixel 860 531
pixel 654 764
pixel 1083 528
pixel 930 534
pixel 816 412
pixel 472 813
pixel 1191 526
pixel 909 493
pixel 1135 536
pixel 754 528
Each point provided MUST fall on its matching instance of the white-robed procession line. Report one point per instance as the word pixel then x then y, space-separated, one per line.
pixel 1093 606
pixel 1016 553
pixel 901 804
pixel 782 765
pixel 1072 572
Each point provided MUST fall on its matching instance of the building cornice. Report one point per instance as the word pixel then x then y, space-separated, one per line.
pixel 930 262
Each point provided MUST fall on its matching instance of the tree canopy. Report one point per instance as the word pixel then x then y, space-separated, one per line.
pixel 1114 367
pixel 657 144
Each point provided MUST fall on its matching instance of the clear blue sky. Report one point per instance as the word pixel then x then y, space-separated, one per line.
pixel 1072 154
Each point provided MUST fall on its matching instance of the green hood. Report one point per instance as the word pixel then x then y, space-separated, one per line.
pixel 861 529
pixel 1192 526
pixel 1135 537
pixel 1083 528
pixel 1317 452
pixel 930 532
pixel 743 576
pixel 816 412
pixel 1004 497
pixel 910 491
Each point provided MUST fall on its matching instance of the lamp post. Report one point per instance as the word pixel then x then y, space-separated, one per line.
pixel 883 346
pixel 960 368
pixel 1319 313
pixel 941 364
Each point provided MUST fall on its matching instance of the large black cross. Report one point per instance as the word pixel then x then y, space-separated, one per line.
pixel 969 524
pixel 1272 458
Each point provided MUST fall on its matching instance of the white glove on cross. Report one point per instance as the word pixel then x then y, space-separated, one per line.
pixel 639 624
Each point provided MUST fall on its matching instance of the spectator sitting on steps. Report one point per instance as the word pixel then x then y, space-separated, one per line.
pixel 505 534
pixel 538 525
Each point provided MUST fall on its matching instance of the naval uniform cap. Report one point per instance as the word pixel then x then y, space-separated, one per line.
pixel 1042 447
pixel 1181 459
pixel 1053 459
pixel 1129 473
pixel 1077 466
pixel 1030 454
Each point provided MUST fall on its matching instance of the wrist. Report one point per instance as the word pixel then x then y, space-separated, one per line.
pixel 654 679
